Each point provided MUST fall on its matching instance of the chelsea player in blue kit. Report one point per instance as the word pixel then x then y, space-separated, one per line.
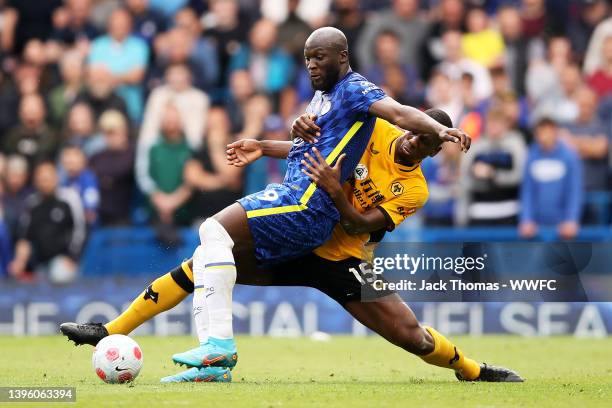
pixel 290 219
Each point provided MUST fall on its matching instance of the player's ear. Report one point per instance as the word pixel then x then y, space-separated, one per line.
pixel 343 59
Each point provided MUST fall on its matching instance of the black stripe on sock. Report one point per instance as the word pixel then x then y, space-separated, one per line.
pixel 181 279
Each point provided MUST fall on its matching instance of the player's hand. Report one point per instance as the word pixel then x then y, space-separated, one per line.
pixel 305 127
pixel 243 152
pixel 456 136
pixel 325 176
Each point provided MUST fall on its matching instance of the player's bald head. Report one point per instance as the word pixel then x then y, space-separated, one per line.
pixel 326 56
pixel 329 38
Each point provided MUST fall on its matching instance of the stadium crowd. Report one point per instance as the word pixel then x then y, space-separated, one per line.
pixel 117 112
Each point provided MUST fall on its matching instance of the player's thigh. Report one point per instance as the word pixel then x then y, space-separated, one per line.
pixel 294 272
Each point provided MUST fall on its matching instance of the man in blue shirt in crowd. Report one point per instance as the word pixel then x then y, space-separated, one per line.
pixel 126 56
pixel 552 190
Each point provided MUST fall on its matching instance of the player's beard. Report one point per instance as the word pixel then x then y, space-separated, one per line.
pixel 328 80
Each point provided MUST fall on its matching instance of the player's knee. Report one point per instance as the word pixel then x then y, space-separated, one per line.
pixel 212 232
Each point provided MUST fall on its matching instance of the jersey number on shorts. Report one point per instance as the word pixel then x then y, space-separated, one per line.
pixel 268 195
pixel 365 274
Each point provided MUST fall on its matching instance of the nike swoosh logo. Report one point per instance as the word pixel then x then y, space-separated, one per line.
pixel 372 150
pixel 120 369
pixel 211 293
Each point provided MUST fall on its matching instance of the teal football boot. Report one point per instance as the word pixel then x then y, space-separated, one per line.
pixel 215 352
pixel 204 374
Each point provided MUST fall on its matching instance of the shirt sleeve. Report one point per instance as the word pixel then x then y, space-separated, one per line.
pixel 403 206
pixel 360 95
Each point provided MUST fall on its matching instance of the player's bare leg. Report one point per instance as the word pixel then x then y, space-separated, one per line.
pixel 391 318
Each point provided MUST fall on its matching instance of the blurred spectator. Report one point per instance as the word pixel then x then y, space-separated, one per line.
pixel 592 12
pixel 215 184
pixel 183 45
pixel 455 65
pixel 270 67
pixel 29 19
pixel 292 33
pixel 601 79
pixel 593 60
pixel 77 176
pixel 168 8
pixel 349 18
pixel 99 92
pixel 315 13
pixel 552 189
pixel 587 135
pixel 241 89
pixel 148 22
pixel 167 160
pixel 515 108
pixel 543 74
pixel 491 174
pixel 449 16
pixel 442 173
pixel 126 57
pixel 114 169
pixel 516 47
pixel 482 43
pixel 52 230
pixel 443 93
pixel 267 170
pixel 543 80
pixel 9 17
pixel 80 131
pixel 72 25
pixel 203 50
pixel 537 22
pixel 192 105
pixel 9 101
pixel 400 80
pixel 256 109
pixel 227 31
pixel 32 137
pixel 63 95
pixel 402 18
pixel 6 249
pixel 16 190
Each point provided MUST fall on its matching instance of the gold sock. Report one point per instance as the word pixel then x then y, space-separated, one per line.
pixel 447 355
pixel 163 294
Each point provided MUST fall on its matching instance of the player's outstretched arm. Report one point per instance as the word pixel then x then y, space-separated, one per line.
pixel 245 151
pixel 328 178
pixel 407 117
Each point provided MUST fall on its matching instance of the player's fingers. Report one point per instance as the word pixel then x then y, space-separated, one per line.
pixel 468 142
pixel 309 167
pixel 318 155
pixel 312 125
pixel 449 137
pixel 310 175
pixel 338 164
pixel 234 145
pixel 308 138
pixel 311 161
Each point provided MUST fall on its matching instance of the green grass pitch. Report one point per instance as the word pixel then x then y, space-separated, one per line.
pixel 342 372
